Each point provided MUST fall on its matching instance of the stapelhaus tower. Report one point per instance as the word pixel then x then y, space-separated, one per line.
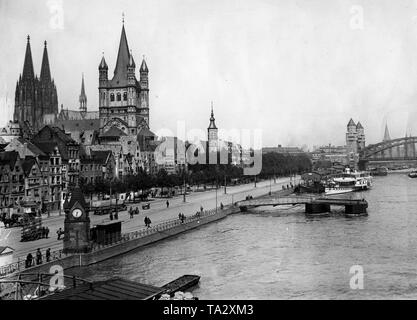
pixel 123 100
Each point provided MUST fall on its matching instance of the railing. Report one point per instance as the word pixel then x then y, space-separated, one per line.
pixel 160 227
pixel 20 265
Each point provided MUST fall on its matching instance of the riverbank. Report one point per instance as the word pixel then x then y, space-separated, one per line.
pixel 158 213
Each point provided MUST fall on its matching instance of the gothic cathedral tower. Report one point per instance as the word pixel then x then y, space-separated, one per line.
pixel 35 98
pixel 123 100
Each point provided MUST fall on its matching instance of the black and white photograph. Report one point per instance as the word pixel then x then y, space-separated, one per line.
pixel 190 151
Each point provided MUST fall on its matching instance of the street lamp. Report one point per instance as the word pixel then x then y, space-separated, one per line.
pixel 184 186
pixel 225 192
pixel 270 186
pixel 216 192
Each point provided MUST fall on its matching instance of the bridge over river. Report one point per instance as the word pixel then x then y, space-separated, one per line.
pixel 401 151
pixel 313 204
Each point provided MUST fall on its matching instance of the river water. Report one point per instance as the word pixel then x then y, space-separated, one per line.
pixel 283 254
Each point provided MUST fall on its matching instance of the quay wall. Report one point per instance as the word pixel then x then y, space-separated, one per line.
pixel 129 242
pixel 132 244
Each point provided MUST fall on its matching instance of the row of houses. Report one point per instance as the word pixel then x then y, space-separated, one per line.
pixel 43 169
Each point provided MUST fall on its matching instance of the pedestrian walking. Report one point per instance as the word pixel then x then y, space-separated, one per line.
pixel 221 206
pixel 38 256
pixel 48 254
pixel 116 215
pixel 28 262
pixel 111 216
pixel 149 222
pixel 182 218
pixel 167 204
pixel 179 216
pixel 201 209
pixel 59 232
pixel 146 221
pixel 46 232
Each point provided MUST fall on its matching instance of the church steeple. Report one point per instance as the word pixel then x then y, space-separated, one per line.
pixel 83 97
pixel 386 133
pixel 123 57
pixel 45 70
pixel 212 119
pixel 28 73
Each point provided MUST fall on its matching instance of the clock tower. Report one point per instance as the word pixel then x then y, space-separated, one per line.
pixel 76 224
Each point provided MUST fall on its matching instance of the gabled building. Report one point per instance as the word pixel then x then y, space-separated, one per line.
pixel 51 140
pixel 97 166
pixel 21 181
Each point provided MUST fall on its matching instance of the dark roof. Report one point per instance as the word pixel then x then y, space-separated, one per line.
pixel 76 115
pixel 359 126
pixel 32 147
pixel 48 147
pixel 27 165
pixel 97 157
pixel 113 132
pixel 113 289
pixel 79 125
pixel 351 123
pixel 145 132
pixel 9 157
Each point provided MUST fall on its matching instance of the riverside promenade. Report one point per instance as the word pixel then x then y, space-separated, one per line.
pixel 159 214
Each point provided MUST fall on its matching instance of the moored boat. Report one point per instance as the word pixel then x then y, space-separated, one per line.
pixel 380 171
pixel 413 174
pixel 349 182
pixel 181 284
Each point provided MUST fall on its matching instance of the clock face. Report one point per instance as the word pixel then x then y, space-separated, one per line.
pixel 76 213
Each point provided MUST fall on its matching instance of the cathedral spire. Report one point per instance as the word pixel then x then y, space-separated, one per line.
pixel 45 70
pixel 28 64
pixel 83 97
pixel 386 133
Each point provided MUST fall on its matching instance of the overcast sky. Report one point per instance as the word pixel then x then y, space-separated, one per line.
pixel 299 70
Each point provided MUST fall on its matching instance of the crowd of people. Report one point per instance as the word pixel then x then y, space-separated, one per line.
pixel 37 258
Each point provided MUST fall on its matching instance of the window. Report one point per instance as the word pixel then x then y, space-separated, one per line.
pixel 119 97
pixel 112 97
pixel 124 96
